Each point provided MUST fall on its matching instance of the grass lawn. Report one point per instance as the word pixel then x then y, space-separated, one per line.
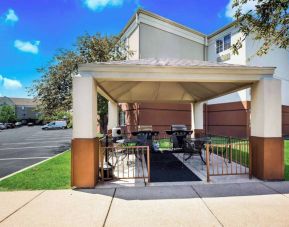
pixel 52 174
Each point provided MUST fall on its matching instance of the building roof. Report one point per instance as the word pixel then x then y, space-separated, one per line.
pixel 158 17
pixel 23 101
pixel 169 80
pixel 174 62
pixel 222 29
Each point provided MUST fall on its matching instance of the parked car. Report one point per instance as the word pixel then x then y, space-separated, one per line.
pixel 18 124
pixel 9 125
pixel 2 126
pixel 30 124
pixel 55 125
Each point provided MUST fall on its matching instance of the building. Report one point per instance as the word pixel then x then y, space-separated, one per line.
pixel 151 36
pixel 24 108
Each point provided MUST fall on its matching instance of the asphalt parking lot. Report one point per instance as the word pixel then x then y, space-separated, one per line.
pixel 25 146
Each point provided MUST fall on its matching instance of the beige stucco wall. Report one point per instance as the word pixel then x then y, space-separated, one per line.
pixel 156 43
pixel 266 112
pixel 133 44
pixel 276 57
pixel 112 115
pixel 84 96
pixel 240 59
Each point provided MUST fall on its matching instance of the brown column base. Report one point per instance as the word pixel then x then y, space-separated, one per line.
pixel 267 158
pixel 199 133
pixel 84 163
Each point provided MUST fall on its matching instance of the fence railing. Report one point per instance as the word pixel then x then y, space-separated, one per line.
pixel 124 162
pixel 228 156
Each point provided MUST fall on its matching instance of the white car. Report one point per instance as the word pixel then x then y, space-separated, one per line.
pixel 2 126
pixel 55 125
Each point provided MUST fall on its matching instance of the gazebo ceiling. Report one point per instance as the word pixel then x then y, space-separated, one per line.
pixel 170 80
pixel 166 91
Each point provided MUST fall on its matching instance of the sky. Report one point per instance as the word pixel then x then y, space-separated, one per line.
pixel 31 31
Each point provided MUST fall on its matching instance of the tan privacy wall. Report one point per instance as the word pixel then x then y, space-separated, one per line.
pixel 285 120
pixel 160 116
pixel 228 119
pixel 233 119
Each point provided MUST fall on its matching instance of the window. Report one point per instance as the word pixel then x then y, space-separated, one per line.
pixel 223 43
pixel 219 46
pixel 122 118
pixel 227 42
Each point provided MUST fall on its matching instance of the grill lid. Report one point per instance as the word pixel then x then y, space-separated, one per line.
pixel 179 128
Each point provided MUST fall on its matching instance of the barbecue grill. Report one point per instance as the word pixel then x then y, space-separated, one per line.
pixel 178 133
pixel 145 135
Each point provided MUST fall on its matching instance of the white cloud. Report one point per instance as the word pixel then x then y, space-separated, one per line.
pixel 101 4
pixel 11 16
pixel 27 46
pixel 230 12
pixel 10 84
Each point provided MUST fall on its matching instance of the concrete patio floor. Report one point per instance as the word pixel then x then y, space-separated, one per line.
pixel 238 204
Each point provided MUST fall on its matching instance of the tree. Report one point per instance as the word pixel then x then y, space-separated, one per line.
pixel 7 114
pixel 53 89
pixel 268 22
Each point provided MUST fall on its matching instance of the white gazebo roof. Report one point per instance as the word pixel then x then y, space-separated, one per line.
pixel 170 80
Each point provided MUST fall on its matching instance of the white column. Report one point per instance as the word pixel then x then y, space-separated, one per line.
pixel 193 116
pixel 266 142
pixel 199 115
pixel 84 99
pixel 112 115
pixel 197 118
pixel 266 108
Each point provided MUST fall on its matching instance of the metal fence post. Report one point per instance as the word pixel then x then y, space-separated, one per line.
pixel 208 162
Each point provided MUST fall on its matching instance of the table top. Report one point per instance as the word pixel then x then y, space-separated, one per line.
pixel 153 133
pixel 179 132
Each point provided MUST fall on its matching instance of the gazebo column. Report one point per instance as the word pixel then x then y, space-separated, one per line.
pixel 197 118
pixel 266 138
pixel 112 115
pixel 85 151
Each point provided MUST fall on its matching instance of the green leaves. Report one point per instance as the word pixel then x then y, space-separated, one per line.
pixel 7 114
pixel 53 90
pixel 269 22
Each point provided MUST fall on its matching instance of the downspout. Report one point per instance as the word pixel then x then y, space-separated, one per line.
pixel 206 48
pixel 138 26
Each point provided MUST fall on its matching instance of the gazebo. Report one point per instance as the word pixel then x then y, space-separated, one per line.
pixel 175 81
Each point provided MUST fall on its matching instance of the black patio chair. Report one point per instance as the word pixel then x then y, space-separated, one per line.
pixel 194 147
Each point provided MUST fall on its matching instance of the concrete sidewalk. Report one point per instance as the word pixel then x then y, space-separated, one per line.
pixel 246 204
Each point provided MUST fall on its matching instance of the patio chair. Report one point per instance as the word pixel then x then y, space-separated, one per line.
pixel 194 147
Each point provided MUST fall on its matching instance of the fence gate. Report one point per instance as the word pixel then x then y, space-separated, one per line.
pixel 124 162
pixel 228 156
